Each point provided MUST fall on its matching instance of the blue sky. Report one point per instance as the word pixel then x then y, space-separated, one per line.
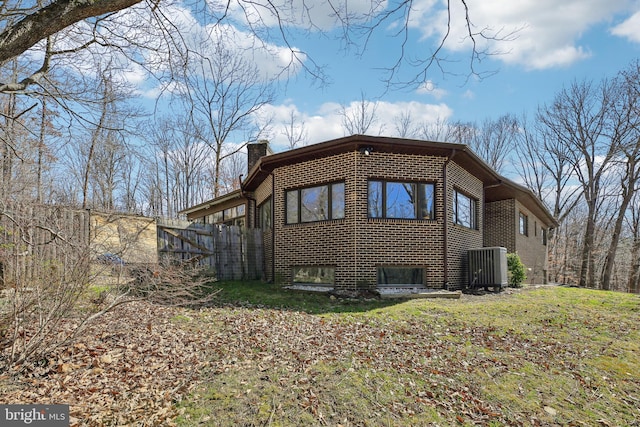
pixel 551 44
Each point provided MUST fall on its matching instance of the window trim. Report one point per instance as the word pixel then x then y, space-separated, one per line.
pixel 311 283
pixel 227 216
pixel 523 219
pixel 473 214
pixel 416 206
pixel 421 268
pixel 330 207
pixel 266 204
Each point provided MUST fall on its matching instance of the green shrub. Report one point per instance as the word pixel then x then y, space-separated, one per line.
pixel 517 271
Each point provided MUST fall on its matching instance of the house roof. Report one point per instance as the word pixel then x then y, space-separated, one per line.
pixel 507 189
pixel 464 156
pixel 497 187
pixel 236 194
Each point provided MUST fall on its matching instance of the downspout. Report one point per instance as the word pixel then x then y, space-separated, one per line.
pixel 445 226
pixel 273 228
pixel 355 218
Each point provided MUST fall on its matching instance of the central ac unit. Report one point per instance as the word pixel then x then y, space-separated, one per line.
pixel 488 267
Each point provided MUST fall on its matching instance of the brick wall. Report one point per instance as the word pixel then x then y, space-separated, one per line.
pixel 500 224
pixel 262 193
pixel 399 242
pixel 530 247
pixel 357 245
pixel 460 239
pixel 502 228
pixel 324 243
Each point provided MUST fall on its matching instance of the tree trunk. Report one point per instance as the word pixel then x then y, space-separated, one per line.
pixel 605 279
pixel 587 276
pixel 634 274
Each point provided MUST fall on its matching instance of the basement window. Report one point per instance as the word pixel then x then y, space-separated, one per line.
pixel 313 275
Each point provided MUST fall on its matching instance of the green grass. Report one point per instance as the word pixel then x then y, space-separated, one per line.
pixel 548 356
pixel 267 295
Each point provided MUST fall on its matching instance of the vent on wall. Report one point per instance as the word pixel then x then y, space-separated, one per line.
pixel 487 267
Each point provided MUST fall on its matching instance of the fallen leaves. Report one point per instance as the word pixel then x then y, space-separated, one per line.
pixel 142 360
pixel 119 372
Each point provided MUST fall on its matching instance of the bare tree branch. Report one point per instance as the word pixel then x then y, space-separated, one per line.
pixel 58 15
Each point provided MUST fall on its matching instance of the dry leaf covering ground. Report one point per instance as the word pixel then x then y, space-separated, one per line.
pixel 416 363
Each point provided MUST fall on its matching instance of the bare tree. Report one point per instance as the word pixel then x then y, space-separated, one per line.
pixel 29 25
pixel 633 280
pixel 23 28
pixel 96 148
pixel 579 118
pixel 231 171
pixel 178 166
pixel 295 131
pixel 189 160
pixel 223 93
pixel 440 130
pixel 545 168
pixel 496 140
pixel 360 116
pixel 493 140
pixel 624 127
pixel 163 137
pixel 131 175
pixel 404 125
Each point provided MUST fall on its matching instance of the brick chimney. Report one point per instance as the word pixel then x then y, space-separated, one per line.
pixel 255 151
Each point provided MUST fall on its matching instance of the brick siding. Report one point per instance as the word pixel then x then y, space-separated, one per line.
pixel 460 239
pixel 500 224
pixel 502 228
pixel 530 248
pixel 357 245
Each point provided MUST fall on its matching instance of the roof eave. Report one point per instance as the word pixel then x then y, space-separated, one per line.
pixel 235 194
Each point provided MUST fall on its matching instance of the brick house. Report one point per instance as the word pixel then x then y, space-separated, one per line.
pixel 368 211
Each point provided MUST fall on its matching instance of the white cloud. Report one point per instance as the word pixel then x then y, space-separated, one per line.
pixel 430 88
pixel 629 29
pixel 538 34
pixel 320 15
pixel 155 59
pixel 326 123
